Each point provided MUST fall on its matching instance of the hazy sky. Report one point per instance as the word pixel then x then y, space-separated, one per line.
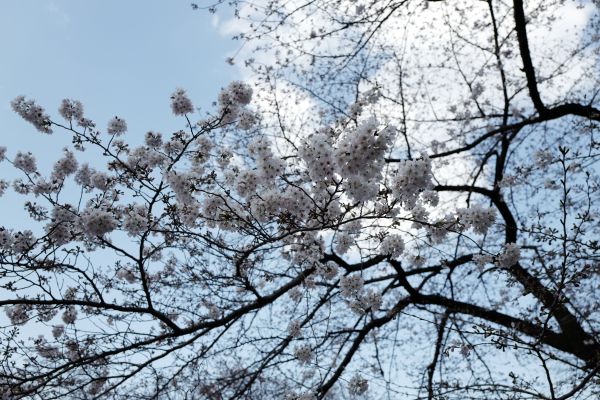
pixel 118 57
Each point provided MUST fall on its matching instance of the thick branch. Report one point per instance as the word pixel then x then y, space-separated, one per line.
pixel 561 341
pixel 521 29
pixel 566 320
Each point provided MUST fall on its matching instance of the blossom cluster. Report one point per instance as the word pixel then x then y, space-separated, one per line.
pixel 70 315
pixel 258 191
pixel 18 314
pixel 301 396
pixel 23 241
pixel 232 101
pixel 294 328
pixel 62 227
pixel 71 109
pixel 359 156
pixel 303 353
pixel 33 113
pixel 356 155
pixel 317 152
pixel 25 162
pixel 360 300
pixel 97 222
pixel 181 184
pixel 268 165
pixel 351 285
pixel 392 245
pixel 358 385
pixel 412 178
pixel 476 217
pixel 135 220
pixel 116 126
pixel 65 166
pixel 509 256
pixel 180 103
pixel 344 242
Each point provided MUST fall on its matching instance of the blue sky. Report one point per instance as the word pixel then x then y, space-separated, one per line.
pixel 118 57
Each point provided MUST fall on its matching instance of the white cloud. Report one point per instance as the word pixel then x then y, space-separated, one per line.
pixel 57 14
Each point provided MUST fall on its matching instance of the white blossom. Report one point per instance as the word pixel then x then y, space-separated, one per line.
pixel 135 220
pixel 351 285
pixel 438 229
pixel 180 103
pixel 303 396
pixel 214 312
pixel 372 95
pixel 357 385
pixel 58 331
pixel 181 184
pixel 144 158
pixel 303 353
pixel 232 99
pixel 542 158
pixel 61 228
pixel 173 147
pixel 430 197
pixel 343 242
pixel 482 259
pixel 6 239
pixel 83 175
pixel 126 275
pixel 328 270
pixel 18 313
pixel 362 190
pixel 240 92
pixel 4 184
pixel 25 162
pixel 21 187
pixel 365 301
pixel 45 314
pixel 295 294
pixel 99 180
pixel 116 126
pixel 70 315
pixel 23 241
pixel 359 157
pixel 465 350
pixel 224 157
pixel 32 113
pixel 97 222
pixel 71 109
pixel 509 256
pixel 65 166
pixel 294 328
pixel 317 153
pixel 153 139
pixel 372 300
pixel 86 123
pixel 246 120
pixel 477 217
pixel 43 186
pixel 355 109
pixel 204 144
pixel 247 183
pixel 392 245
pixel 412 177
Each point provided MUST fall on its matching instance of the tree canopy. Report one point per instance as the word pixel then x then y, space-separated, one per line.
pixel 401 201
